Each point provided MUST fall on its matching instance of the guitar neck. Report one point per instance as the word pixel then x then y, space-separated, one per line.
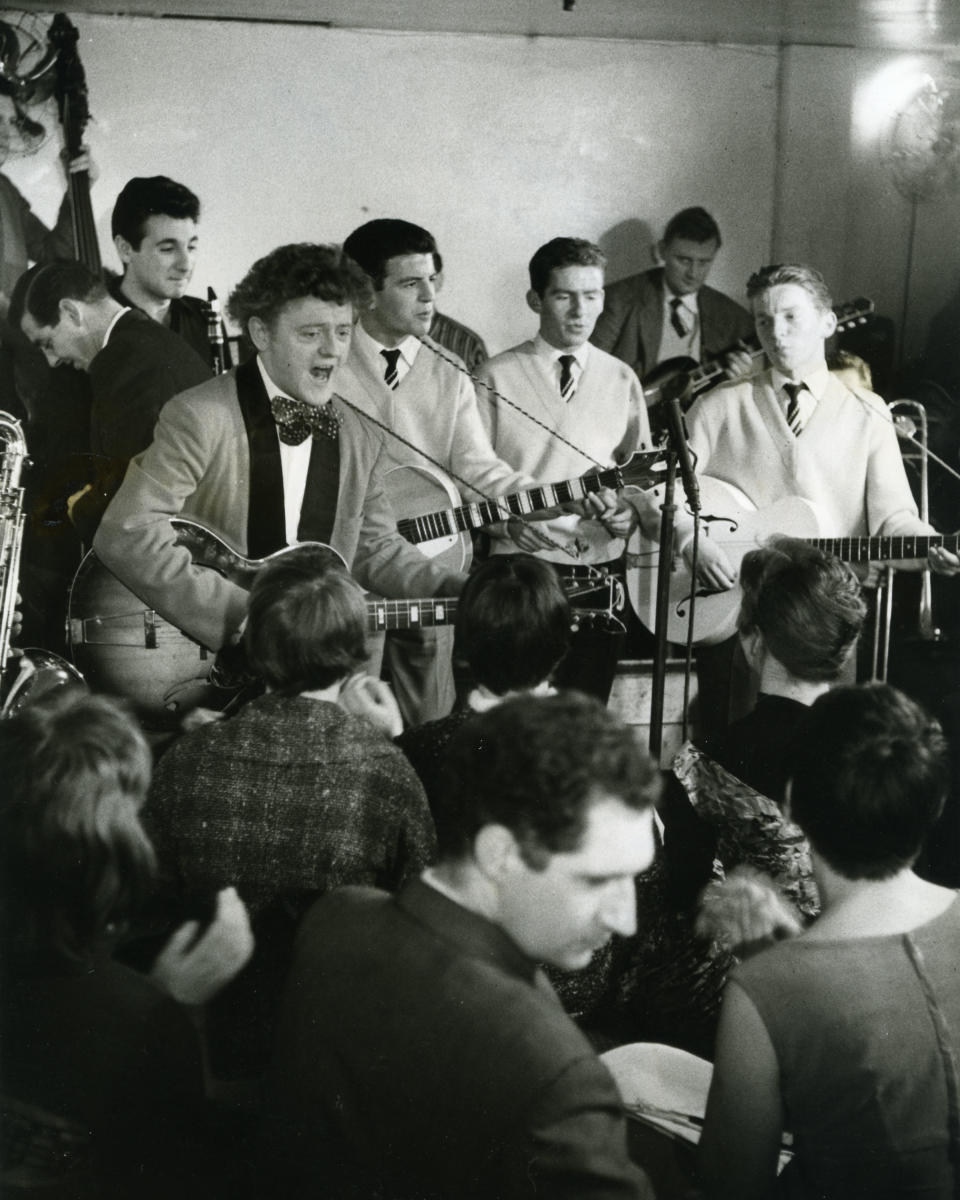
pixel 468 517
pixel 885 549
pixel 409 614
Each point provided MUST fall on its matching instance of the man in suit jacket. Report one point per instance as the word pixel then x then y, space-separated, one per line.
pixel 135 366
pixel 670 312
pixel 421 1051
pixel 267 456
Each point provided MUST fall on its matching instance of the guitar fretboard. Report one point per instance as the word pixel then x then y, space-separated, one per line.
pixel 468 517
pixel 885 549
pixel 409 614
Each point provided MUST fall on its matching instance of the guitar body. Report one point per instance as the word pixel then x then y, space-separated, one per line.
pixel 731 520
pixel 414 491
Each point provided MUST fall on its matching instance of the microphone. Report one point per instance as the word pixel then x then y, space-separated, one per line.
pixel 676 429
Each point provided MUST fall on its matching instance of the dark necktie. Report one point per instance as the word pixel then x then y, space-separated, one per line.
pixel 678 318
pixel 567 385
pixel 391 376
pixel 794 420
pixel 296 421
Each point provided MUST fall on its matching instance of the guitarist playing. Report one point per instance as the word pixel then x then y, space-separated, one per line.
pixel 267 456
pixel 794 430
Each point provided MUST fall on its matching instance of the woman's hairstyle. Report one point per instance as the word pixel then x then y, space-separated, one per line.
pixel 73 853
pixel 513 623
pixel 306 622
pixel 807 605
pixel 868 774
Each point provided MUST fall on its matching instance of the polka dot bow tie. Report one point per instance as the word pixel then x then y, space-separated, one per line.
pixel 296 421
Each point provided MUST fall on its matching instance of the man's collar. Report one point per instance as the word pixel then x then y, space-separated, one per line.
pixel 409 347
pixel 112 325
pixel 815 381
pixel 543 349
pixel 272 389
pixel 437 908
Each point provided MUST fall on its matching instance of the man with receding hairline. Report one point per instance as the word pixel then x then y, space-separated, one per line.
pixel 421 1052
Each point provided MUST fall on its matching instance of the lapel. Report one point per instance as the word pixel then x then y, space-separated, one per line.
pixel 551 407
pixel 266 521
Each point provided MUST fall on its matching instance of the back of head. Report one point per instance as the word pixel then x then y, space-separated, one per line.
pixel 778 274
pixel 563 252
pixel 293 272
pixel 513 623
pixel 372 245
pixel 868 775
pixel 534 764
pixel 152 196
pixel 306 622
pixel 40 290
pixel 805 603
pixel 74 855
pixel 693 225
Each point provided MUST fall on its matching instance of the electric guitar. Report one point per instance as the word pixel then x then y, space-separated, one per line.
pixel 127 649
pixel 686 378
pixel 734 523
pixel 644 469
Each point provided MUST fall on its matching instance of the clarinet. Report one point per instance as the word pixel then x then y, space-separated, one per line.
pixel 215 332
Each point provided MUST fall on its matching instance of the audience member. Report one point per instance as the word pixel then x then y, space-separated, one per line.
pixel 670 312
pixel 846 1034
pixel 800 617
pixel 398 377
pixel 102 1078
pixel 513 628
pixel 420 1051
pixel 294 795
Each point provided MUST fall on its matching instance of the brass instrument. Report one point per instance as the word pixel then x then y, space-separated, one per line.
pixel 37 671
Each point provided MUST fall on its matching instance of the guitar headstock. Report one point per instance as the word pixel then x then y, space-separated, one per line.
pixel 71 85
pixel 853 313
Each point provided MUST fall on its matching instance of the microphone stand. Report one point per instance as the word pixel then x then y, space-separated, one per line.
pixel 677 452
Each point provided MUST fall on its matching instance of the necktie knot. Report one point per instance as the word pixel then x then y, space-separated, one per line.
pixel 391 375
pixel 297 420
pixel 567 383
pixel 678 317
pixel 793 414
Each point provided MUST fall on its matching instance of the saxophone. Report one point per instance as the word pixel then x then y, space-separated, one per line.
pixel 37 671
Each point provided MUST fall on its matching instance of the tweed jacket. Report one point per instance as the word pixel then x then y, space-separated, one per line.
pixel 215 457
pixel 631 324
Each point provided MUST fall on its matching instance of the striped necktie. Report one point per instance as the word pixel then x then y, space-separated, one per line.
pixel 678 317
pixel 391 376
pixel 794 419
pixel 567 384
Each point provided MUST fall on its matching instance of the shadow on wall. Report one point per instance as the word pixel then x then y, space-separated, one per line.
pixel 629 247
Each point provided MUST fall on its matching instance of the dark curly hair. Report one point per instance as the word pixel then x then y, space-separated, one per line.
pixel 534 764
pixel 868 773
pixel 292 272
pixel 807 604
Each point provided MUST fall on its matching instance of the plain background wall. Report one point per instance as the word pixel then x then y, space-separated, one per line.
pixel 493 143
pixel 498 143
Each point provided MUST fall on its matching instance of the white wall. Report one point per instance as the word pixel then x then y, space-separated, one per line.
pixel 495 144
